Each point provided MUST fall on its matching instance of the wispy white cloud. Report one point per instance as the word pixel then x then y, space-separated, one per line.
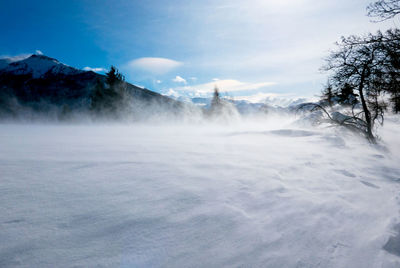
pixel 38 52
pixel 153 65
pixel 96 69
pixel 227 85
pixel 179 79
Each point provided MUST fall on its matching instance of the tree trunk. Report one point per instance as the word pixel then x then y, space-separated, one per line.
pixel 367 113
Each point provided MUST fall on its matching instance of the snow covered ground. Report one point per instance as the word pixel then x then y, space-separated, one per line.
pixel 260 194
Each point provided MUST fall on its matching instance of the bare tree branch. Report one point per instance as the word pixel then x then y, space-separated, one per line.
pixel 384 9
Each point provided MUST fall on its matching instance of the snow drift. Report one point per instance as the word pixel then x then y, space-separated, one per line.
pixel 255 194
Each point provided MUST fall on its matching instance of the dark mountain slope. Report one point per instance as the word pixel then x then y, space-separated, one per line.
pixel 41 84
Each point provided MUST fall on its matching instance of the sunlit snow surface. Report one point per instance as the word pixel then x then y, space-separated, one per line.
pixel 261 194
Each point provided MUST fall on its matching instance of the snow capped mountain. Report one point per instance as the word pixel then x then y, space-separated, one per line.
pixel 38 66
pixel 246 107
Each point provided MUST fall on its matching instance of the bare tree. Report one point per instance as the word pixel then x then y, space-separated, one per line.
pixel 390 81
pixel 371 66
pixel 359 62
pixel 384 9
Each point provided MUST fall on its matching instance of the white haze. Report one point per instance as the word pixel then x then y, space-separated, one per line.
pixel 262 193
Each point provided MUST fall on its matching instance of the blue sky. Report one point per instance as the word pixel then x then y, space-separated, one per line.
pixel 250 49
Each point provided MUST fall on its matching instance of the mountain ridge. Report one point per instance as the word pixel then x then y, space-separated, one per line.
pixel 41 84
pixel 38 66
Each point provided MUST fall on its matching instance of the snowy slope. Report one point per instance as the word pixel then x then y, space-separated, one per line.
pixel 38 66
pixel 262 194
